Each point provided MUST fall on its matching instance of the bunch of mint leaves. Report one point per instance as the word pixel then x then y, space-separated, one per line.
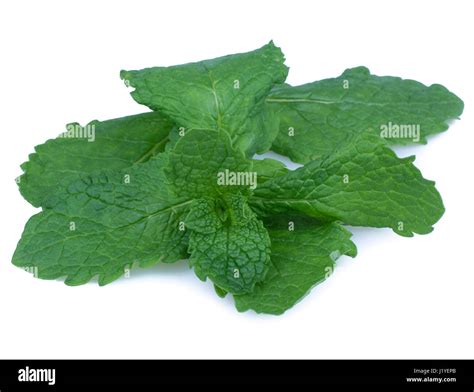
pixel 182 181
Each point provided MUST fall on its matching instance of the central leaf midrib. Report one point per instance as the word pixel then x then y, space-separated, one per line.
pixel 214 93
pixel 157 213
pixel 150 152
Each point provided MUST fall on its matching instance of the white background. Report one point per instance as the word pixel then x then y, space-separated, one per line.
pixel 400 298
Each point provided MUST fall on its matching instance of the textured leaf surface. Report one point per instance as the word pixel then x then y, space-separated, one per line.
pixel 179 182
pixel 115 144
pixel 300 259
pixel 321 115
pixel 268 168
pixel 104 223
pixel 225 93
pixel 362 184
pixel 227 243
pixel 200 159
pixel 232 249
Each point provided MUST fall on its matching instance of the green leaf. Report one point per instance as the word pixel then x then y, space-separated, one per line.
pixel 206 215
pixel 362 184
pixel 304 252
pixel 267 169
pixel 318 117
pixel 204 163
pixel 111 144
pixel 227 243
pixel 104 223
pixel 233 249
pixel 220 292
pixel 124 216
pixel 225 93
pixel 159 187
pixel 261 130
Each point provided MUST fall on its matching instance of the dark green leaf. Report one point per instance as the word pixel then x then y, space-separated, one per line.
pixel 318 117
pixel 111 144
pixel 104 223
pixel 362 184
pixel 233 250
pixel 225 93
pixel 303 255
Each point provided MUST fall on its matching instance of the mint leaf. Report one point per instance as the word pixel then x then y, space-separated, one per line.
pixel 232 248
pixel 159 187
pixel 220 292
pixel 104 223
pixel 111 144
pixel 227 243
pixel 225 93
pixel 204 163
pixel 318 117
pixel 262 130
pixel 362 184
pixel 304 252
pixel 206 215
pixel 268 168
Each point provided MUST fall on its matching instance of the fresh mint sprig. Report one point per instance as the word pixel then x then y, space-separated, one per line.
pixel 181 182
